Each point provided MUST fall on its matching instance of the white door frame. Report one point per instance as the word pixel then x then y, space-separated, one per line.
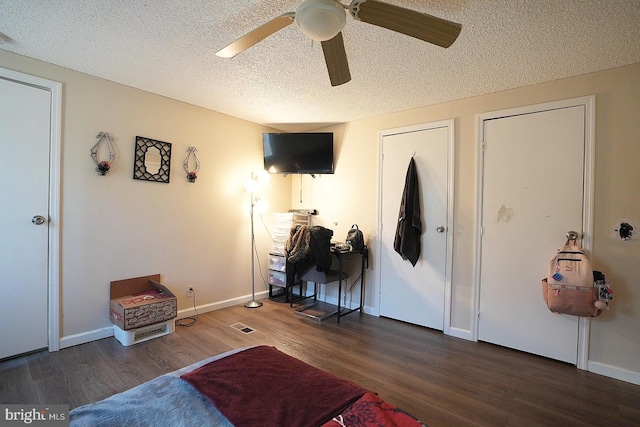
pixel 449 124
pixel 589 103
pixel 55 145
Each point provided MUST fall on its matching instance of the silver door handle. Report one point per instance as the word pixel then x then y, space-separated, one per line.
pixel 571 235
pixel 38 220
pixel 440 229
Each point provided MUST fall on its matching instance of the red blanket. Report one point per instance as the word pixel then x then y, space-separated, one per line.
pixel 371 411
pixel 263 386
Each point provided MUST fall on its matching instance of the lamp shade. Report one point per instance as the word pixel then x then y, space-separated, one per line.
pixel 320 20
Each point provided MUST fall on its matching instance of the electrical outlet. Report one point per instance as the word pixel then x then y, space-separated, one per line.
pixel 191 290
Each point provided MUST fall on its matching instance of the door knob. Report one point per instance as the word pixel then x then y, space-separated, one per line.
pixel 38 220
pixel 440 229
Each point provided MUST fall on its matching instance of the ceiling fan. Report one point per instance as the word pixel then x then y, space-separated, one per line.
pixel 323 21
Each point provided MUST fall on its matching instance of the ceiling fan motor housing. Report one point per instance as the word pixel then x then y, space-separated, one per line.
pixel 320 20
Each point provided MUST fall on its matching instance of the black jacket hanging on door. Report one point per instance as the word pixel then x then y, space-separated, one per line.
pixel 409 228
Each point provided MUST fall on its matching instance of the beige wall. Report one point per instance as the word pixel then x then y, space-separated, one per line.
pixel 114 227
pixel 351 195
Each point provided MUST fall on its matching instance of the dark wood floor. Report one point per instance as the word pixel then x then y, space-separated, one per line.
pixel 441 380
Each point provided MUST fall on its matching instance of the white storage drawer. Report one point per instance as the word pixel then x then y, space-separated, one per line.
pixel 291 217
pixel 288 220
pixel 277 278
pixel 282 229
pixel 277 262
pixel 283 222
pixel 278 247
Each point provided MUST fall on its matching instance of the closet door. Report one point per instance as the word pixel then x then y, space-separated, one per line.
pixel 533 193
pixel 25 114
pixel 407 293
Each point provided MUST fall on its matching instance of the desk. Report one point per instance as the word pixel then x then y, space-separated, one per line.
pixel 321 310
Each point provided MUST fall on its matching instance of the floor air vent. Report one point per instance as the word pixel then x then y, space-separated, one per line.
pixel 243 328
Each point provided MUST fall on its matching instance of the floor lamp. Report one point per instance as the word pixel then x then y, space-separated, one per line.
pixel 253 303
pixel 251 188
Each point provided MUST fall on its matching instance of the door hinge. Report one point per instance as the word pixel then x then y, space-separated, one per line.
pixel 478 315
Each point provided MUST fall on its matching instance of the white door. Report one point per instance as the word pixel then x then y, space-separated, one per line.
pixel 407 293
pixel 532 194
pixel 25 114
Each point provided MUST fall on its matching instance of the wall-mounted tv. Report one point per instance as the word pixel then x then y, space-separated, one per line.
pixel 298 153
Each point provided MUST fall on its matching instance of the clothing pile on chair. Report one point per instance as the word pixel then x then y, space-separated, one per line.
pixel 307 246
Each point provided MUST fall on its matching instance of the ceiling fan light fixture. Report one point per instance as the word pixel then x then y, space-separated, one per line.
pixel 320 20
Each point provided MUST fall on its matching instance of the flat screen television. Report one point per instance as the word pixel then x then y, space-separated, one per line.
pixel 298 153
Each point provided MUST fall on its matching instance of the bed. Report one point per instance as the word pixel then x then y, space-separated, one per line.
pixel 245 387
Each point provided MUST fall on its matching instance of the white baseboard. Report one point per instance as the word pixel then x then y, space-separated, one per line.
pixel 98 334
pixel 371 310
pixel 465 334
pixel 334 301
pixel 614 372
pixel 85 337
pixel 219 305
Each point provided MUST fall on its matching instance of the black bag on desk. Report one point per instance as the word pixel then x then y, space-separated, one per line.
pixel 355 238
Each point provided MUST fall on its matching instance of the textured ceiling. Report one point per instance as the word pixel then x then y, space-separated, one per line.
pixel 167 47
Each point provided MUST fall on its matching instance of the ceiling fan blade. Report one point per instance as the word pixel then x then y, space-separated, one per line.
pixel 257 35
pixel 336 59
pixel 415 24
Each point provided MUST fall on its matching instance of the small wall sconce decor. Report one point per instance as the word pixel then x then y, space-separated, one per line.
pixel 104 145
pixel 192 164
pixel 152 160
